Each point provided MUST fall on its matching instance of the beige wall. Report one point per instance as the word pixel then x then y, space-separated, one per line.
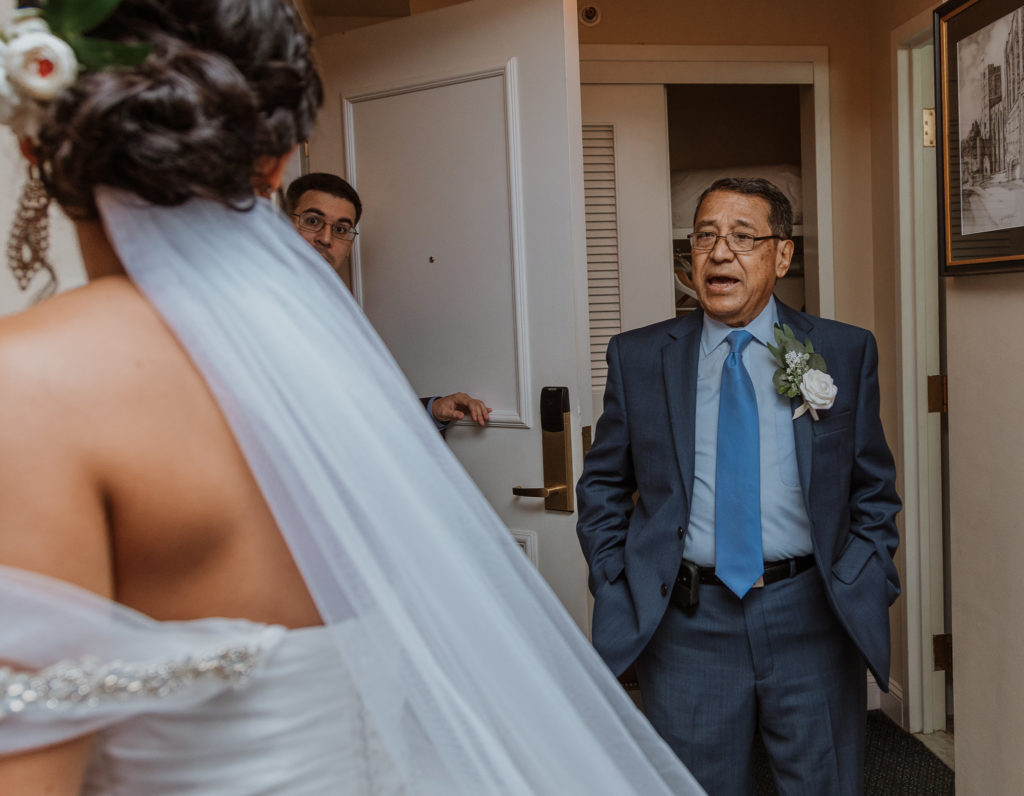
pixel 986 470
pixel 985 366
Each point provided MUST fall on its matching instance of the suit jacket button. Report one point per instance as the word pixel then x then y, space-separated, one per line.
pixel 680 532
pixel 664 589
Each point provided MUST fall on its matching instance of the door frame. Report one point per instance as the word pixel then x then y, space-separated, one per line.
pixel 801 65
pixel 923 703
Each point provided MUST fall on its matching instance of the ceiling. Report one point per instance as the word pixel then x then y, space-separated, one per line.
pixel 358 8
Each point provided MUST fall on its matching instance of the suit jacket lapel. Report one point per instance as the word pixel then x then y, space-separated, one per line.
pixel 803 436
pixel 679 366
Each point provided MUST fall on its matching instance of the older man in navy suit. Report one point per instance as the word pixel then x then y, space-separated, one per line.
pixel 741 541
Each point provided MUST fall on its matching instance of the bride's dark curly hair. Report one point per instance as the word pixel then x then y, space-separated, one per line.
pixel 227 81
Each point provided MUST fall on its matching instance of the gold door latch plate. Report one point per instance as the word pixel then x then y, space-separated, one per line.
pixel 556 449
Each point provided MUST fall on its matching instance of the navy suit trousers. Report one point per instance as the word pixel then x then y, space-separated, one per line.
pixel 778 661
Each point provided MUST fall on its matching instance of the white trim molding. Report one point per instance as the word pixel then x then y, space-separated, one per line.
pixel 521 415
pixel 922 699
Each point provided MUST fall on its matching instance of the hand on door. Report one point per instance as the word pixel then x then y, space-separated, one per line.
pixel 457 405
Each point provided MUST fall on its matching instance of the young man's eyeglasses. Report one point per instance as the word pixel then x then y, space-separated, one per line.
pixel 311 222
pixel 736 241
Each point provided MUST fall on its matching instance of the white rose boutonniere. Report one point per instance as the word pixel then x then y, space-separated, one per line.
pixel 818 390
pixel 801 372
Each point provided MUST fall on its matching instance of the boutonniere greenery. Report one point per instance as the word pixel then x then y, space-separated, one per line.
pixel 801 372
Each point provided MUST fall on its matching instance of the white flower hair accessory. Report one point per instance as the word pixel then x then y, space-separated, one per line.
pixel 801 372
pixel 42 52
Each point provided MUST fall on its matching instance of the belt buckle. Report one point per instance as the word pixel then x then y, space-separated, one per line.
pixel 759 583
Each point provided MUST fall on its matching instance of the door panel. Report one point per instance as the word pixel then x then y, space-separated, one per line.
pixel 460 129
pixel 454 270
pixel 642 198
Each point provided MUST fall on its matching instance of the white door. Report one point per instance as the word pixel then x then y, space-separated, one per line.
pixel 460 129
pixel 635 152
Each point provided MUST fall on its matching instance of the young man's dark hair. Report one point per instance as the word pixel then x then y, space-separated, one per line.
pixel 326 183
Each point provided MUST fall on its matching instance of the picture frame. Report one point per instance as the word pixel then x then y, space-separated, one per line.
pixel 979 94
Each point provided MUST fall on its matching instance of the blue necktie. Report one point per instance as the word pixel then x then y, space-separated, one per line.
pixel 739 561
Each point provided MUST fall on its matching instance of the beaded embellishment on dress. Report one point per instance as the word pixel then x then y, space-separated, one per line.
pixel 91 681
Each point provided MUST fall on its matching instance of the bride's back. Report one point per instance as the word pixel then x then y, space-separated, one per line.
pixel 120 473
pixel 129 481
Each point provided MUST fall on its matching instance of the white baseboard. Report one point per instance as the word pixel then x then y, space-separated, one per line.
pixel 893 705
pixel 874 694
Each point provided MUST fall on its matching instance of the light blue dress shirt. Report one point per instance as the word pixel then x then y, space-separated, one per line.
pixel 785 529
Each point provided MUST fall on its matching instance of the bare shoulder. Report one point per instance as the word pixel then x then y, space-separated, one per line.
pixel 39 341
pixel 118 460
pixel 62 363
pixel 55 386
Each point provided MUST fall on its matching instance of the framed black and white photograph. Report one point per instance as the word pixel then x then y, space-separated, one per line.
pixel 979 73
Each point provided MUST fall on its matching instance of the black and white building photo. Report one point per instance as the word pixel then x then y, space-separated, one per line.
pixel 990 65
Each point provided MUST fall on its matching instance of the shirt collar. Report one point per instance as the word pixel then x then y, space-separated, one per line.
pixel 762 328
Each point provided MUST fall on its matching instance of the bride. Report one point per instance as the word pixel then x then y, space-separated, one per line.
pixel 234 555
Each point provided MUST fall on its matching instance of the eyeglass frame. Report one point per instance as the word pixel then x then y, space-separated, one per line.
pixel 755 239
pixel 348 236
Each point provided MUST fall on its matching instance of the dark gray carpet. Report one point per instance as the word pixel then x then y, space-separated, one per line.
pixel 895 764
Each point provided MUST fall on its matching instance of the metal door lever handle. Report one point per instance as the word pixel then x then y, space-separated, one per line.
pixel 538 491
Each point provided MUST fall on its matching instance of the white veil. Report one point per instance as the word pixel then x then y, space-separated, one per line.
pixel 474 676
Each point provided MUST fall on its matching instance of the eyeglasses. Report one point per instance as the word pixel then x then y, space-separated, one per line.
pixel 738 242
pixel 311 222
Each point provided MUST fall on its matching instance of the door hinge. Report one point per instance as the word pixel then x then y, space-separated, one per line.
pixel 937 401
pixel 928 126
pixel 942 649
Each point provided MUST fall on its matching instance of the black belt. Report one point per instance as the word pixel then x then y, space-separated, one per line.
pixel 774 571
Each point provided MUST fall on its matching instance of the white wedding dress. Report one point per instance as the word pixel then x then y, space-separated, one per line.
pixel 296 726
pixel 212 706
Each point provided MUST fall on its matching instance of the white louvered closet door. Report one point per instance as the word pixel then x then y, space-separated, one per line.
pixel 603 294
pixel 628 215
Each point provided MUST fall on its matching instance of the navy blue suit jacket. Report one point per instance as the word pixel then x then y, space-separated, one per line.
pixel 644 443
